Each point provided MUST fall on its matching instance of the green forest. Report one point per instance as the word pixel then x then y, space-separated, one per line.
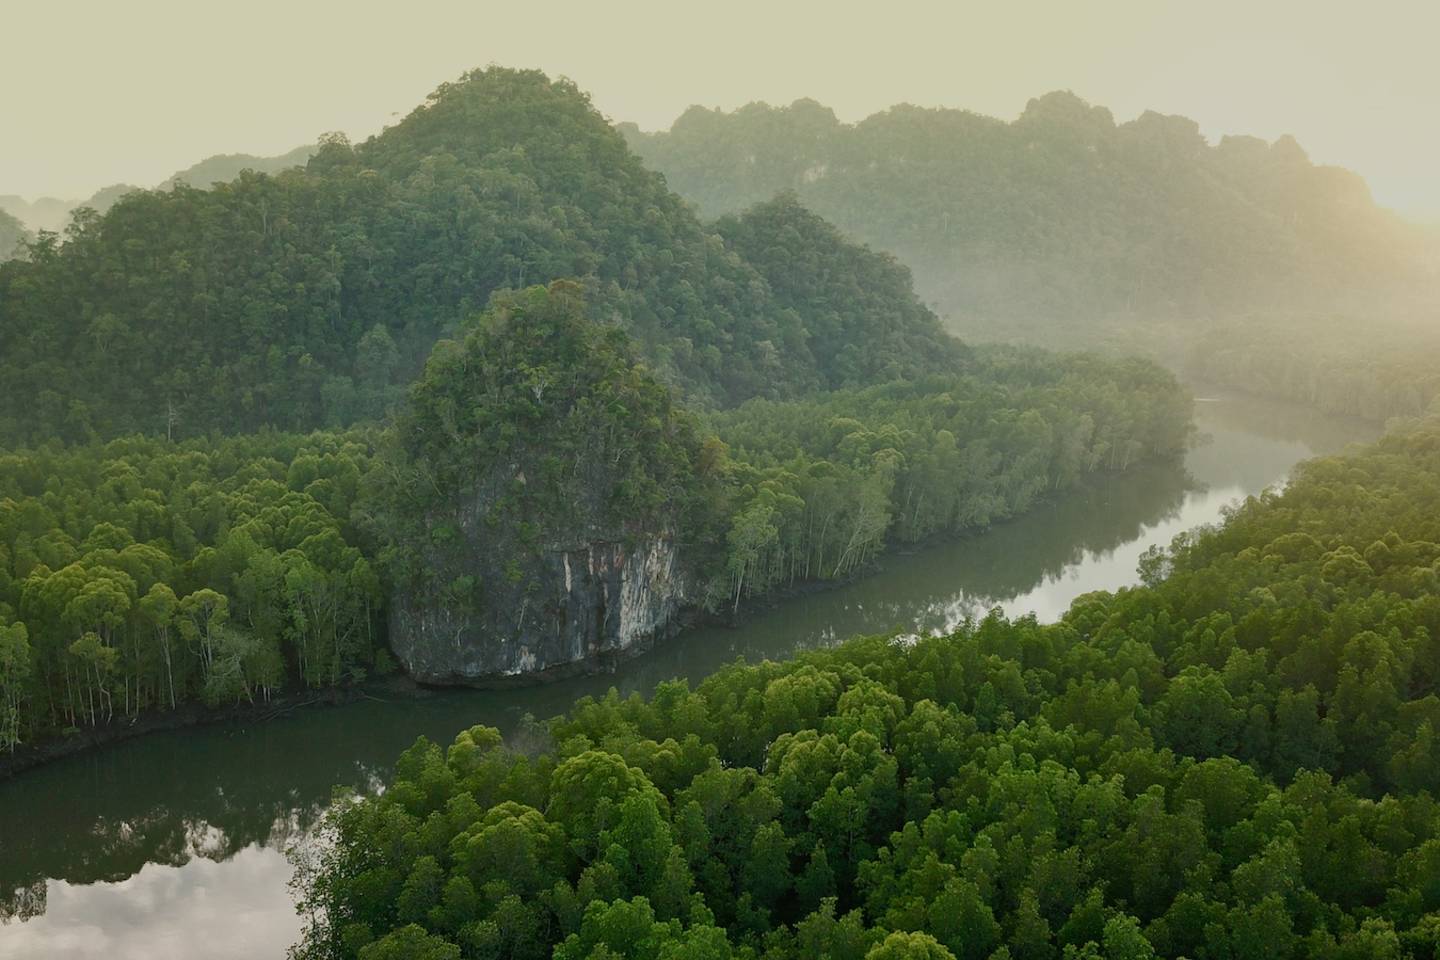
pixel 221 471
pixel 144 573
pixel 822 485
pixel 509 392
pixel 1377 370
pixel 302 299
pixel 1235 759
pixel 147 574
pixel 54 215
pixel 1242 263
pixel 1063 214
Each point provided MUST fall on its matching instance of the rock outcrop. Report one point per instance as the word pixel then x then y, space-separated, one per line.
pixel 534 494
pixel 586 607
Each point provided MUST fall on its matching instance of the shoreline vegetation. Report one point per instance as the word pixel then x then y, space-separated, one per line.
pixel 1235 757
pixel 138 574
pixel 509 394
pixel 399 686
pixel 804 411
pixel 88 739
pixel 774 392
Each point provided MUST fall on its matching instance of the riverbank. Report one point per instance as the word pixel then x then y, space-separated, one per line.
pixel 144 837
pixel 192 714
pixel 399 687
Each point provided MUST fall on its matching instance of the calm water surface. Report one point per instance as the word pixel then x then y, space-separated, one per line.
pixel 172 846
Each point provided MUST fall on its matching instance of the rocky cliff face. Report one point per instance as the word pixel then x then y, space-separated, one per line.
pixel 530 497
pixel 583 607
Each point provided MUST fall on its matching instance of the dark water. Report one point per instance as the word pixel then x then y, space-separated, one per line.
pixel 173 845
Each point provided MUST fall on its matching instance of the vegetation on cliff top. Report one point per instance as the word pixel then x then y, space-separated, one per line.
pixel 538 427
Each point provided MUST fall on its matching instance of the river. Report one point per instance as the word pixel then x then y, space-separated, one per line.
pixel 172 845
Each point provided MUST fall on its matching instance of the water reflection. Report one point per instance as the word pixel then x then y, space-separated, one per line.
pixel 236 909
pixel 173 842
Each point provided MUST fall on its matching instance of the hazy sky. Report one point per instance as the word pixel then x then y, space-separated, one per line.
pixel 99 92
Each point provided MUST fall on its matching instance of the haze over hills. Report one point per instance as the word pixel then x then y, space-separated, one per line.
pixel 51 213
pixel 1062 211
pixel 557 335
pixel 225 167
pixel 481 399
pixel 45 213
pixel 13 235
pixel 1067 228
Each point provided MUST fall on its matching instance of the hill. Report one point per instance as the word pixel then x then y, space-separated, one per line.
pixel 616 416
pixel 224 167
pixel 46 213
pixel 13 235
pixel 52 213
pixel 304 298
pixel 540 505
pixel 1060 217
pixel 544 503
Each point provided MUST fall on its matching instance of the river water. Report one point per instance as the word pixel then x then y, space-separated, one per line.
pixel 172 845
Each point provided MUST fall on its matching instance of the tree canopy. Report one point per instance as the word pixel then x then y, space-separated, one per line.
pixel 156 572
pixel 302 299
pixel 594 364
pixel 140 575
pixel 1234 759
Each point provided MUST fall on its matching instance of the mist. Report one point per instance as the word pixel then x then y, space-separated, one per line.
pixel 755 482
pixel 146 89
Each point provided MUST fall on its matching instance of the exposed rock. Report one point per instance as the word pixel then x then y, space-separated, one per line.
pixel 532 500
pixel 589 605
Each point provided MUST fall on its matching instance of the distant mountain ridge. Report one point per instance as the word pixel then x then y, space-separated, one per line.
pixel 1062 213
pixel 224 167
pixel 51 213
pixel 44 213
pixel 13 235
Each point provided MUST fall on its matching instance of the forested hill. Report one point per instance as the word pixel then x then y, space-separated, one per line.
pixel 861 319
pixel 1062 212
pixel 224 167
pixel 50 213
pixel 303 298
pixel 12 236
pixel 44 213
